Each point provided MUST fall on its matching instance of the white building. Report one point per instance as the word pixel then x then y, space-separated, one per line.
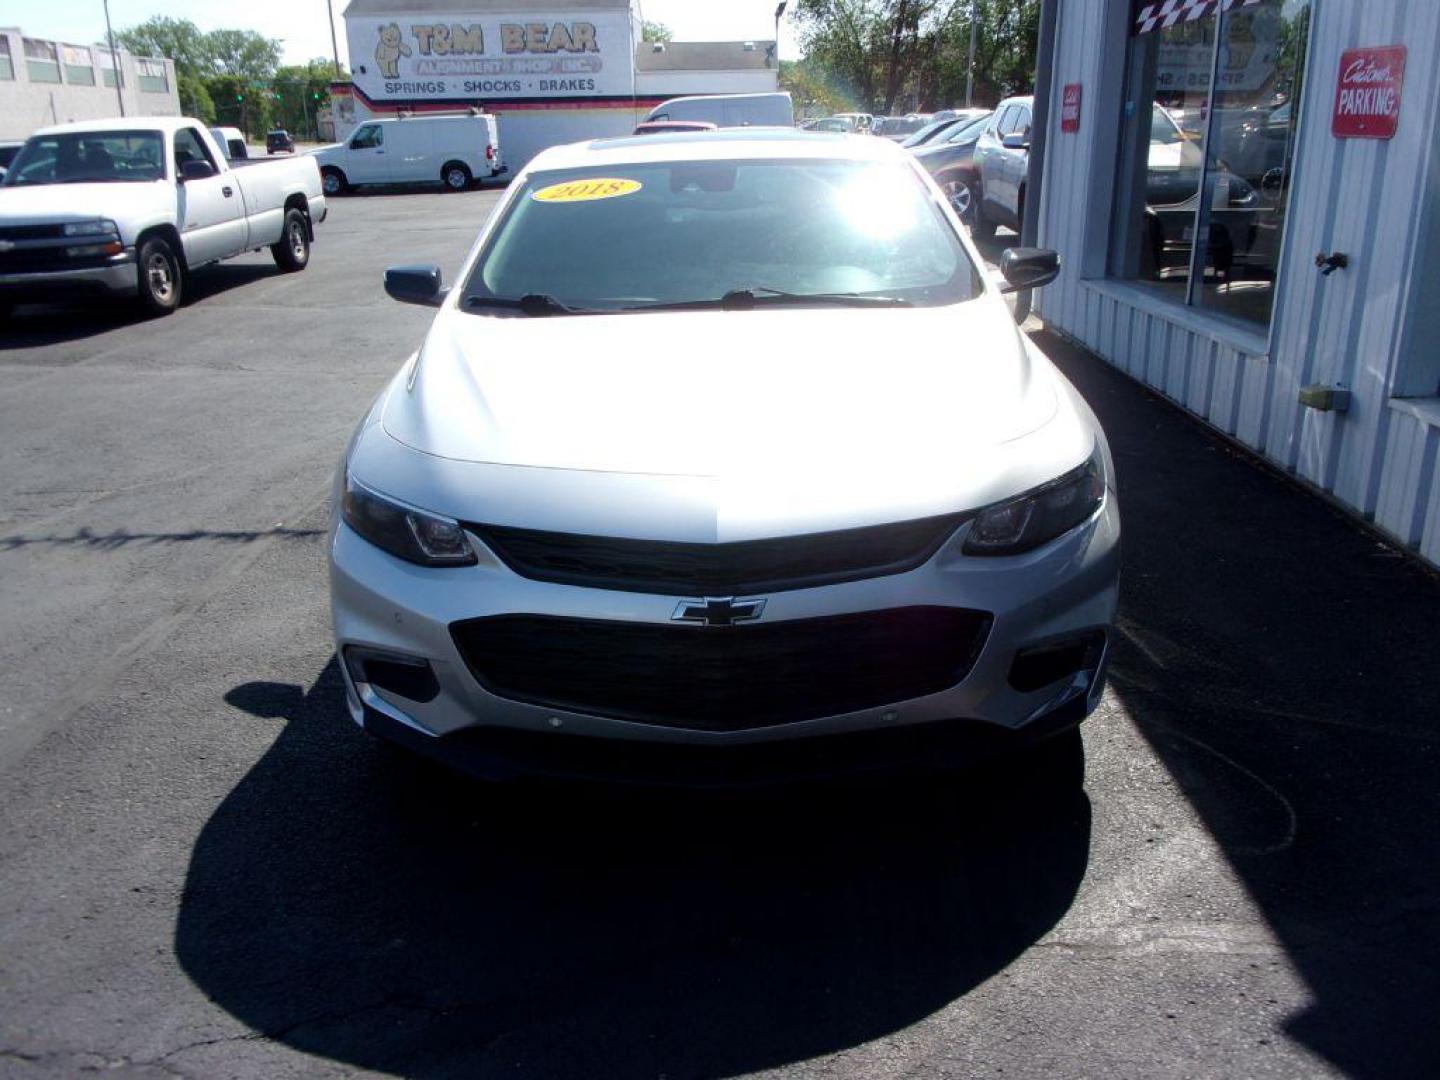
pixel 51 82
pixel 551 71
pixel 1267 256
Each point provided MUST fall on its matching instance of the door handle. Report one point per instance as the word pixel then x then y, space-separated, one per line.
pixel 226 191
pixel 379 151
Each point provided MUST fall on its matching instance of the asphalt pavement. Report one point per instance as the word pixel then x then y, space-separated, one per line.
pixel 207 871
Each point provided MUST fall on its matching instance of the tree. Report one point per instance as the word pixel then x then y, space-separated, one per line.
pixel 810 90
pixel 179 39
pixel 894 54
pixel 654 31
pixel 195 100
pixel 243 53
pixel 298 92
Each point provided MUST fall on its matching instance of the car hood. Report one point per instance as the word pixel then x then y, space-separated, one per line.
pixel 720 393
pixel 722 425
pixel 30 205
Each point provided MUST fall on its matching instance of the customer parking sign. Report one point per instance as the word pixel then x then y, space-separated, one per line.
pixel 1367 93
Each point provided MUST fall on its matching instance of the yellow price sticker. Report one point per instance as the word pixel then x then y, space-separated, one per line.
pixel 586 190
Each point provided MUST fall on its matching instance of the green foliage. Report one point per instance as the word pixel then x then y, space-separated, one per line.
pixel 195 99
pixel 179 39
pixel 897 55
pixel 811 91
pixel 234 77
pixel 654 31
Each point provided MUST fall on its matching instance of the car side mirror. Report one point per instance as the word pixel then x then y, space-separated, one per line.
pixel 415 284
pixel 196 170
pixel 1028 268
pixel 1016 141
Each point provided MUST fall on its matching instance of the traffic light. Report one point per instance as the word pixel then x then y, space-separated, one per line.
pixel 239 97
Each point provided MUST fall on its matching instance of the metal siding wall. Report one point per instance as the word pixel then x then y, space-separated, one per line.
pixel 1346 328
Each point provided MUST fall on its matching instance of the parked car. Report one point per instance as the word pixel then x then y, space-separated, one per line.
pixel 938 127
pixel 660 127
pixel 950 160
pixel 833 124
pixel 536 565
pixel 1172 182
pixel 453 150
pixel 729 110
pixel 900 128
pixel 279 142
pixel 135 205
pixel 859 122
pixel 231 142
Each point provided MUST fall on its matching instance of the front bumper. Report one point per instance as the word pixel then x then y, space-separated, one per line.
pixel 1062 591
pixel 116 276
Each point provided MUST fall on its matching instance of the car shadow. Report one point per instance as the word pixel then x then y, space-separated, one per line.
pixel 1281 662
pixel 35 325
pixel 388 914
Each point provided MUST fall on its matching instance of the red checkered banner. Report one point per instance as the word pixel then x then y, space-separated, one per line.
pixel 1152 15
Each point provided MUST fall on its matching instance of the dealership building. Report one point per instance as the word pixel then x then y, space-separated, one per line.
pixel 45 82
pixel 552 72
pixel 1245 195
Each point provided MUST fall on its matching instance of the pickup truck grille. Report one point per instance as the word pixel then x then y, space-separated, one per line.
pixel 723 679
pixel 32 232
pixel 48 260
pixel 747 566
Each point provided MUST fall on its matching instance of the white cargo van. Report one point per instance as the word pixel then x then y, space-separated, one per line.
pixel 729 110
pixel 450 150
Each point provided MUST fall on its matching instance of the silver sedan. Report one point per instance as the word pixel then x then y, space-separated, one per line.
pixel 723 460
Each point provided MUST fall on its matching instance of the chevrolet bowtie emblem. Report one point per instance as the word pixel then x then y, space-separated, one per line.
pixel 718 611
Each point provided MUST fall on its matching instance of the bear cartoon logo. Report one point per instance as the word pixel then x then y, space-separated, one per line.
pixel 389 51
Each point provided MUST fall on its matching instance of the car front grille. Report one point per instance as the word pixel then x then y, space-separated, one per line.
pixel 746 566
pixel 723 678
pixel 33 232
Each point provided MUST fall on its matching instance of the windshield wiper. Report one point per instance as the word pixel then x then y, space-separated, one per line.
pixel 764 295
pixel 531 304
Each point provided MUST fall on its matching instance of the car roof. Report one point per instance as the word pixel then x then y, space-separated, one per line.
pixel 123 123
pixel 723 144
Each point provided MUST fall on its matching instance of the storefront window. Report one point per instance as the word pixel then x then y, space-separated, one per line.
pixel 78 69
pixel 150 74
pixel 108 74
pixel 40 61
pixel 1205 174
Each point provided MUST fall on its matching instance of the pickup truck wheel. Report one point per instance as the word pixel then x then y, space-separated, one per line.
pixel 292 251
pixel 159 277
pixel 455 176
pixel 332 181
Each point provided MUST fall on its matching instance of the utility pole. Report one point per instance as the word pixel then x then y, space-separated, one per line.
pixel 779 11
pixel 970 66
pixel 114 58
pixel 334 45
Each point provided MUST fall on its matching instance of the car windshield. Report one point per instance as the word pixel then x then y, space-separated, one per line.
pixel 88 157
pixel 929 131
pixel 624 237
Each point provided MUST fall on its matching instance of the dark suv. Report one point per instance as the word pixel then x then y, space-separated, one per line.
pixel 278 140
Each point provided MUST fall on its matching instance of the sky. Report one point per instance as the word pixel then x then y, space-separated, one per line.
pixel 304 32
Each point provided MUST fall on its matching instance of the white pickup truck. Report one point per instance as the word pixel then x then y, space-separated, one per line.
pixel 134 205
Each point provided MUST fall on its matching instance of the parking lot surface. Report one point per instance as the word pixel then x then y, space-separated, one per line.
pixel 206 870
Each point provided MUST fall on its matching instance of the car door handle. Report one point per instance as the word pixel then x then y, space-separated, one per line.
pixel 227 191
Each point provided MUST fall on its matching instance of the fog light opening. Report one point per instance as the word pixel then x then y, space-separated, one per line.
pixel 1039 666
pixel 406 676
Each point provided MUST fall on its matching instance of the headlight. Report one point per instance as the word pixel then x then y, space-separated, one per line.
pixel 405 532
pixel 98 227
pixel 1038 516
